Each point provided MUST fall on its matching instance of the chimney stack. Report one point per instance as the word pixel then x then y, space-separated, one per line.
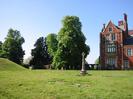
pixel 125 17
pixel 103 27
pixel 125 25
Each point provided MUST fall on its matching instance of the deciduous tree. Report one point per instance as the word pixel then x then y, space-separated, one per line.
pixel 71 44
pixel 51 41
pixel 0 45
pixel 13 46
pixel 97 61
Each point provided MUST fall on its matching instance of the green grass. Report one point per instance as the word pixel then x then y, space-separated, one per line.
pixel 5 64
pixel 54 84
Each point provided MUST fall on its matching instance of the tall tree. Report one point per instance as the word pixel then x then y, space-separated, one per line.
pixel 40 54
pixel 51 41
pixel 97 61
pixel 0 45
pixel 3 54
pixel 71 44
pixel 13 46
pixel 1 51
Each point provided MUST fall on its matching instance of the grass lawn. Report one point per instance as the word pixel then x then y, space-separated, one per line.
pixel 54 84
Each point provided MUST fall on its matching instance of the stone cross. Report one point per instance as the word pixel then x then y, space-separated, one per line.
pixel 83 71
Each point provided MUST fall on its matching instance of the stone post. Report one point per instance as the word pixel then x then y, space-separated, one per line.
pixel 83 71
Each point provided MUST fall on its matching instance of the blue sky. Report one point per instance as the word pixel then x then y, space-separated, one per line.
pixel 36 18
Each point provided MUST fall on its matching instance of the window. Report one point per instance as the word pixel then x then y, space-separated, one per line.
pixel 113 37
pixel 110 29
pixel 129 52
pixel 111 61
pixel 107 38
pixel 126 64
pixel 111 48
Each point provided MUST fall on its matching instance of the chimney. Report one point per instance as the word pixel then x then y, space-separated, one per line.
pixel 123 23
pixel 125 26
pixel 103 27
pixel 120 23
pixel 125 17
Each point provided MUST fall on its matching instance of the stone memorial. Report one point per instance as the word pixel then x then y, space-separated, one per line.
pixel 83 70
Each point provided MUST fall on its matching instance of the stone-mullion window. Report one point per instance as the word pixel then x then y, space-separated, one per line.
pixel 111 61
pixel 113 37
pixel 111 48
pixel 129 52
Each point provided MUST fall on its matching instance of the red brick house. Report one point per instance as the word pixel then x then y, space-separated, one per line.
pixel 116 46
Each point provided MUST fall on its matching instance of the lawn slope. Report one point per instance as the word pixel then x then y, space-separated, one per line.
pixel 6 64
pixel 19 83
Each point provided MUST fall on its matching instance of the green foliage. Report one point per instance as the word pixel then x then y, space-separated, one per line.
pixel 71 44
pixel 55 84
pixel 40 54
pixel 3 54
pixel 97 61
pixel 12 47
pixel 58 60
pixel 51 41
pixel 0 45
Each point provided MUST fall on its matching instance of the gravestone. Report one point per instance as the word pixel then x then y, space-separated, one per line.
pixel 30 67
pixel 83 70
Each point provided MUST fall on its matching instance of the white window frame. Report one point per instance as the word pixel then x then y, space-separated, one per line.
pixel 111 61
pixel 111 48
pixel 129 52
pixel 126 64
pixel 113 37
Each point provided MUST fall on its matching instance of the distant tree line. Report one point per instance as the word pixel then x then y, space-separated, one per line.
pixel 62 50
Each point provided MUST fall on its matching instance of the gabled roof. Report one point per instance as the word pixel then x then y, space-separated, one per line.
pixel 110 22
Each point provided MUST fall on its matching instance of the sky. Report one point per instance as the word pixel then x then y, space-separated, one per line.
pixel 37 18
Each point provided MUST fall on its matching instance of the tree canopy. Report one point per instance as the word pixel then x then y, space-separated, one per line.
pixel 71 44
pixel 40 54
pixel 62 50
pixel 0 45
pixel 51 41
pixel 97 61
pixel 12 47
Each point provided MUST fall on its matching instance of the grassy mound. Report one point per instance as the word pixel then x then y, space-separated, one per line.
pixel 6 64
